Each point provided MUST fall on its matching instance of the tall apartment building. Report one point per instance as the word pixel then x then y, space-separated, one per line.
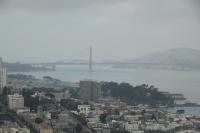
pixel 3 76
pixel 15 101
pixel 90 90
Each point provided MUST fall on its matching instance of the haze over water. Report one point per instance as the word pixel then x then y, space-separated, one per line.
pixel 185 82
pixel 49 31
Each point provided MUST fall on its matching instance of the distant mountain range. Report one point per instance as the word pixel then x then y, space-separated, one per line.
pixel 176 58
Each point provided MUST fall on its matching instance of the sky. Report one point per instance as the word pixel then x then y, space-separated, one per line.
pixel 56 30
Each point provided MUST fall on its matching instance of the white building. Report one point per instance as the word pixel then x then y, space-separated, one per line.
pixel 3 76
pixel 179 99
pixel 14 130
pixel 15 101
pixel 133 127
pixel 19 130
pixel 188 131
pixel 84 109
pixel 47 115
pixel 179 102
pixel 23 110
pixel 60 95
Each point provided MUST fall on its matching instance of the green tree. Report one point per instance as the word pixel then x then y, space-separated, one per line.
pixel 38 120
pixel 141 94
pixel 102 118
pixel 30 101
pixel 78 128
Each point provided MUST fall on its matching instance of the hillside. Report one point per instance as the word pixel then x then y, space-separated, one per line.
pixel 172 56
pixel 175 59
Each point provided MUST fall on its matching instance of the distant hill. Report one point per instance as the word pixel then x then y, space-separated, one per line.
pixel 172 56
pixel 18 67
pixel 176 58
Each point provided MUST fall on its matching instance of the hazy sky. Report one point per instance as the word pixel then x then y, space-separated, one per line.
pixel 50 30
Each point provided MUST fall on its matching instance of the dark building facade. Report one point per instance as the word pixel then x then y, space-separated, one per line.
pixel 90 90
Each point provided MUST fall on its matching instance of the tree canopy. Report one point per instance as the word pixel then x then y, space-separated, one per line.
pixel 141 94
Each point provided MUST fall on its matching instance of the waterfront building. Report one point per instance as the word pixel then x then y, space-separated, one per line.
pixel 90 90
pixel 15 101
pixel 3 75
pixel 179 99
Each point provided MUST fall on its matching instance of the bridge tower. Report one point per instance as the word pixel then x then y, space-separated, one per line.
pixel 90 60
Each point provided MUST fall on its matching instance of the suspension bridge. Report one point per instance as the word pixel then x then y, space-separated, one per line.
pixel 90 62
